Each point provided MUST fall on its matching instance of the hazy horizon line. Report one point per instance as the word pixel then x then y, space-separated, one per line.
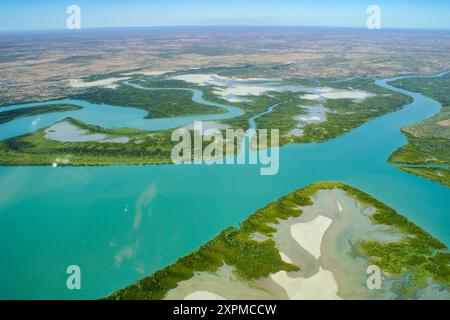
pixel 224 26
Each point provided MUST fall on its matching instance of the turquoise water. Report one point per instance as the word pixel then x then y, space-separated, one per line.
pixel 108 116
pixel 121 223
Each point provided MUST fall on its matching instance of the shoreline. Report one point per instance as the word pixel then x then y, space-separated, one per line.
pixel 324 277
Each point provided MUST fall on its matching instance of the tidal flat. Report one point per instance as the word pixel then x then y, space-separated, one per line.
pixel 348 231
pixel 176 99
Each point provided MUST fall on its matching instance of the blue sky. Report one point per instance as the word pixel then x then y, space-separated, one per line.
pixel 51 14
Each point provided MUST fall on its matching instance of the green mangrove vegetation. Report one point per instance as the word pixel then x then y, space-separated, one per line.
pixel 159 103
pixel 441 175
pixel 34 149
pixel 6 116
pixel 118 146
pixel 429 140
pixel 416 253
pixel 342 115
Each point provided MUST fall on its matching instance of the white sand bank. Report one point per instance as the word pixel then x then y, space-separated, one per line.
pixel 285 257
pixel 339 205
pixel 233 89
pixel 330 93
pixel 321 286
pixel 200 79
pixel 309 235
pixel 311 96
pixel 222 283
pixel 203 295
pixel 216 80
pixel 230 89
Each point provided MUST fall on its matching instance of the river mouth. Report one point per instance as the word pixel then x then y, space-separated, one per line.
pixel 121 223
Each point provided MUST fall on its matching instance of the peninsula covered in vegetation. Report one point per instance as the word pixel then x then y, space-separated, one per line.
pixel 427 153
pixel 315 243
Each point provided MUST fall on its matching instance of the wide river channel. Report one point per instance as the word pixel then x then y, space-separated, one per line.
pixel 121 223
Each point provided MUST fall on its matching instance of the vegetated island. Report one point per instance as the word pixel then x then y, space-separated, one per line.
pixel 318 242
pixel 73 143
pixel 429 140
pixel 301 117
pixel 159 103
pixel 6 116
